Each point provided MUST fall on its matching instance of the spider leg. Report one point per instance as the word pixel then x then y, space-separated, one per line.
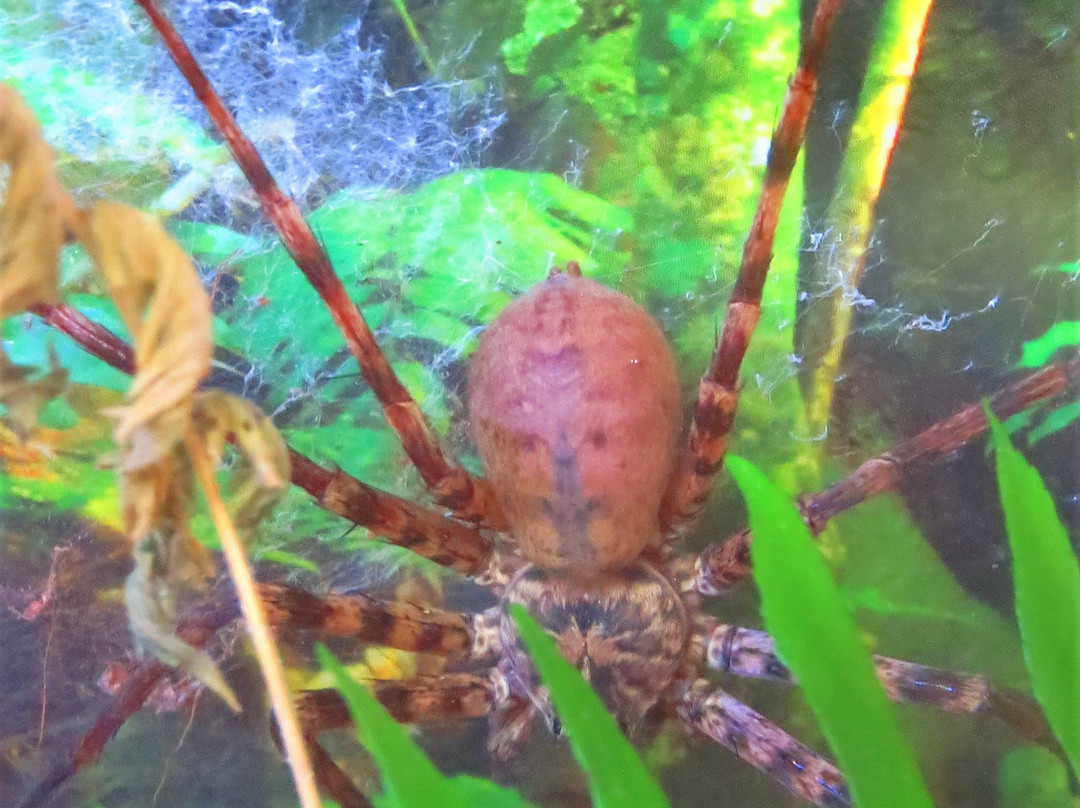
pixel 445 541
pixel 714 413
pixel 753 738
pixel 752 653
pixel 424 698
pixel 725 564
pixel 369 620
pixel 444 697
pixel 394 624
pixel 470 498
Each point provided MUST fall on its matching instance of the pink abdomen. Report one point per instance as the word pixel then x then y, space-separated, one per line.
pixel 574 406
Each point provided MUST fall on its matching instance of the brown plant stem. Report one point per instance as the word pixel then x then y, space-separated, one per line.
pixel 273 671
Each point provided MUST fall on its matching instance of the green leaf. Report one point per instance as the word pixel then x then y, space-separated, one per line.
pixel 817 638
pixel 136 143
pixel 1038 351
pixel 1047 580
pixel 1056 420
pixel 542 19
pixel 288 559
pixel 211 242
pixel 409 779
pixel 1068 267
pixel 1033 777
pixel 906 600
pixel 617 777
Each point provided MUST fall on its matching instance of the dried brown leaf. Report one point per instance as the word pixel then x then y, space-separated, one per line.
pixel 24 397
pixel 260 477
pixel 150 593
pixel 35 208
pixel 162 301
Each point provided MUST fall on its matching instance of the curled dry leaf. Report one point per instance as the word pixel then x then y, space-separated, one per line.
pixel 168 559
pixel 260 477
pixel 25 397
pixel 150 592
pixel 159 295
pixel 34 212
pixel 162 301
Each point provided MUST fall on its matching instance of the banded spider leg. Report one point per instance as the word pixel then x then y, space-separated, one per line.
pixel 738 651
pixel 469 497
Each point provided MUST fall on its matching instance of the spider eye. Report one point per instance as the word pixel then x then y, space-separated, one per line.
pixel 556 726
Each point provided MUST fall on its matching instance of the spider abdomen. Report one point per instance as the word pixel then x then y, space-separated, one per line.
pixel 574 405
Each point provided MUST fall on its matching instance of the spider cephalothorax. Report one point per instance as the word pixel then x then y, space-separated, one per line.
pixel 625 629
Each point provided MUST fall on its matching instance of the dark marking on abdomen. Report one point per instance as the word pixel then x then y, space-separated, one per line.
pixel 569 512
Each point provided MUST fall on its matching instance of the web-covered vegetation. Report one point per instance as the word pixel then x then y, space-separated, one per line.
pixel 428 193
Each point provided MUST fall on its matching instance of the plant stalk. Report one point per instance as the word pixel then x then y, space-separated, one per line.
pixel 296 753
pixel 849 222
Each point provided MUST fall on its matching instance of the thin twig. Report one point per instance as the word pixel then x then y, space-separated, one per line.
pixel 866 160
pixel 414 35
pixel 296 753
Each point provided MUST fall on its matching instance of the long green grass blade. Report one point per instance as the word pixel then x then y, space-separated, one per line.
pixel 817 638
pixel 409 779
pixel 1047 581
pixel 617 777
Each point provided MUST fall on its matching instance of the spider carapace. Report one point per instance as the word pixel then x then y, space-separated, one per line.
pixel 575 408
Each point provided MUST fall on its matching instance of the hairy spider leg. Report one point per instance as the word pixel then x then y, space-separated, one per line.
pixel 718 394
pixel 368 620
pixel 468 497
pixel 331 779
pixel 752 653
pixel 752 737
pixel 447 696
pixel 722 565
pixel 449 542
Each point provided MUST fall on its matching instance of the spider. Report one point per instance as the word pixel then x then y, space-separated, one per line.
pixel 592 526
